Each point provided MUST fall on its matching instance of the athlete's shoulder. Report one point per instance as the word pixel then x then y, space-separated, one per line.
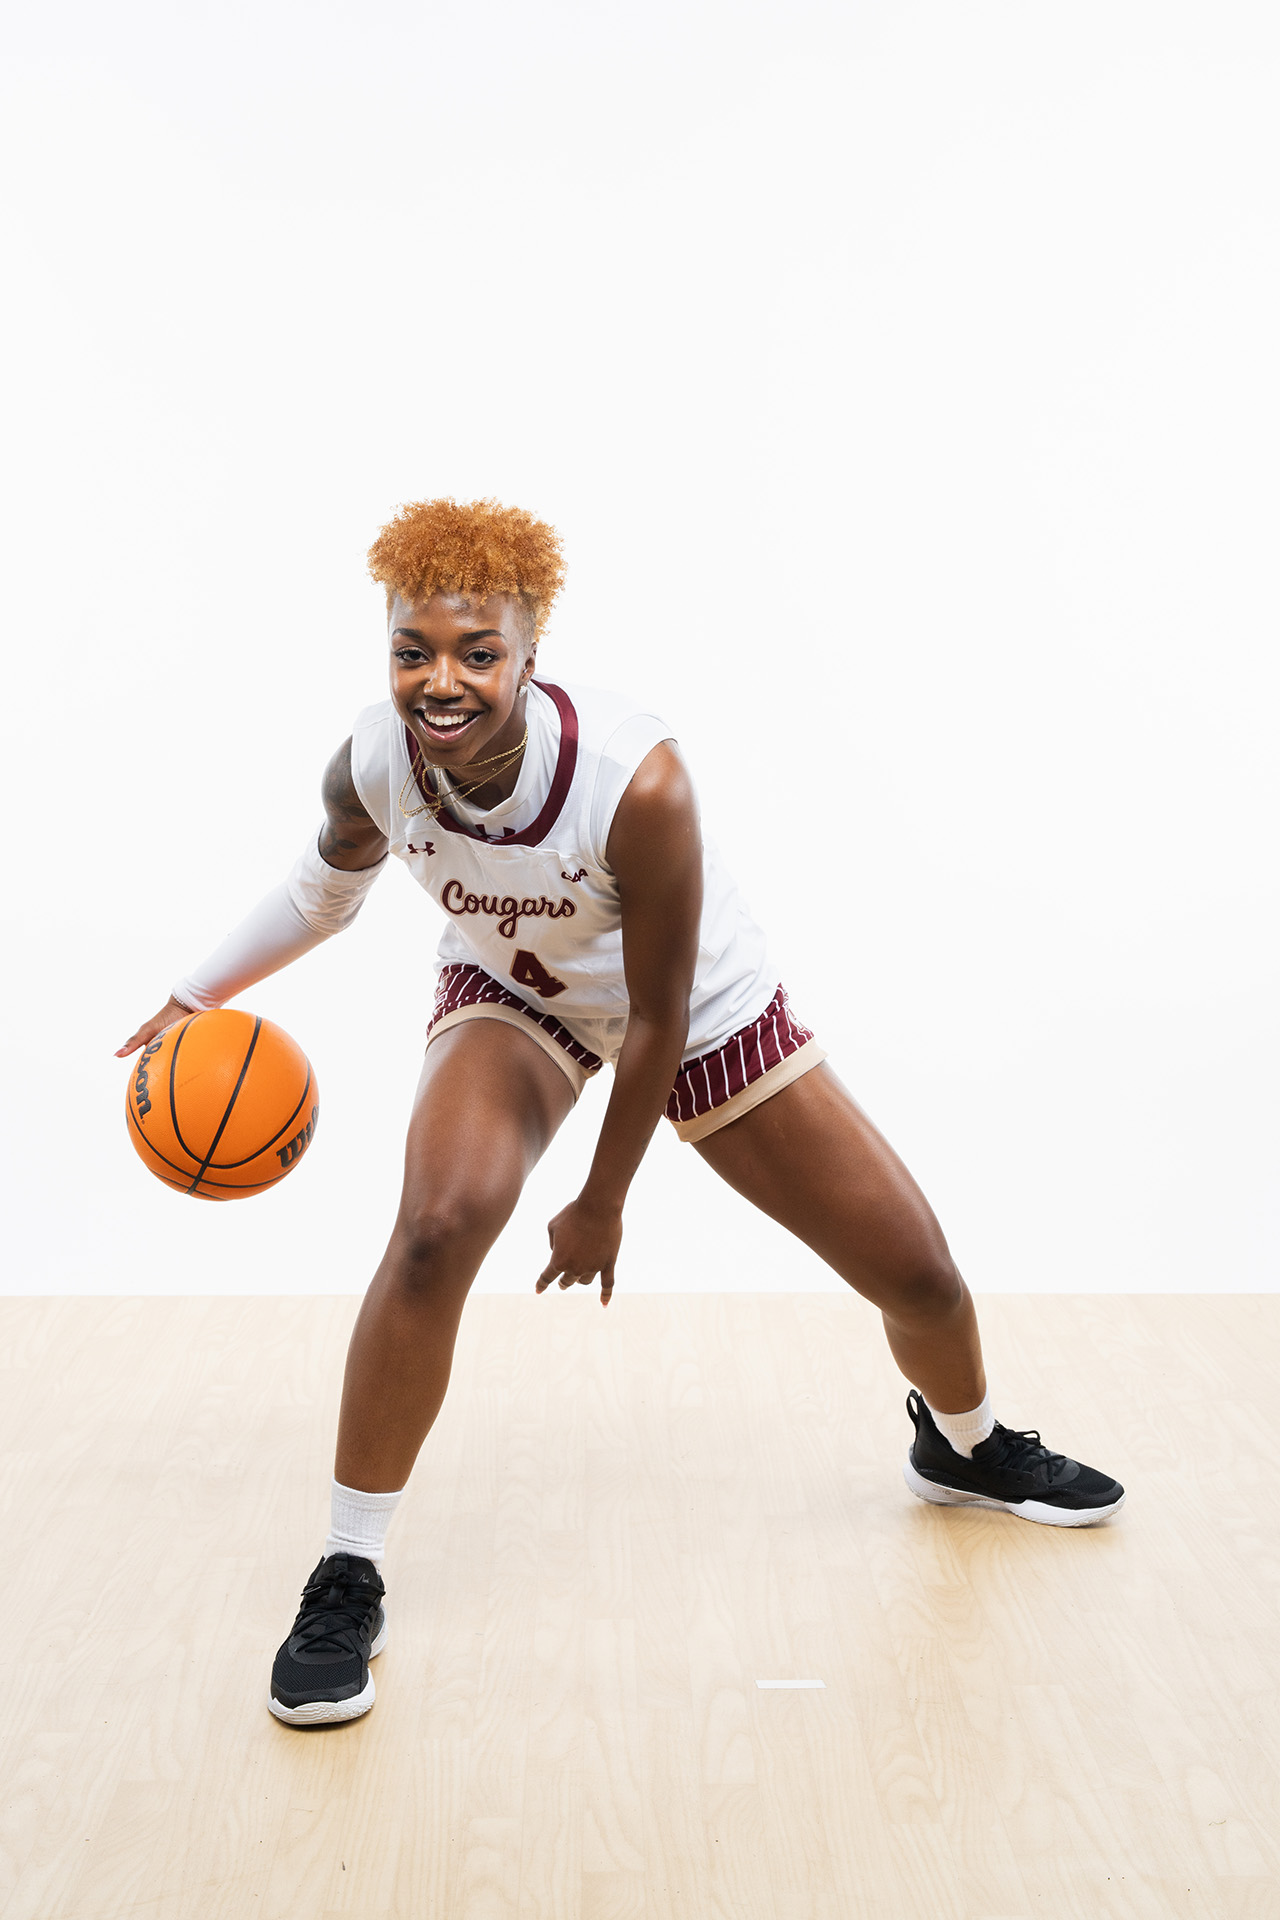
pixel 616 733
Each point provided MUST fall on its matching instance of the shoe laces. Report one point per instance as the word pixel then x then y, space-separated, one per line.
pixel 334 1607
pixel 1023 1447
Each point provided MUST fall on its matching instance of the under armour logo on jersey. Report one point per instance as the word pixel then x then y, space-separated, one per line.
pixel 581 874
pixel 427 847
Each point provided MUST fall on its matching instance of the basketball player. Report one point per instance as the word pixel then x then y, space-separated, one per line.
pixel 585 921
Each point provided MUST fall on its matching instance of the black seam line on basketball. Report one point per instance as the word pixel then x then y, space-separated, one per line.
pixel 225 1167
pixel 222 1190
pixel 253 1041
pixel 229 1166
pixel 151 1146
pixel 173 1101
pixel 231 1186
pixel 183 1183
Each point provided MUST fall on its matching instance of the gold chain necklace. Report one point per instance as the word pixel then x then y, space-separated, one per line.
pixel 433 800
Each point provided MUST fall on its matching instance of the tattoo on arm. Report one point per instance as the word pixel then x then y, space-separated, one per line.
pixel 331 843
pixel 347 828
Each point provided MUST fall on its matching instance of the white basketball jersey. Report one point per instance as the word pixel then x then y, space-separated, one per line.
pixel 527 890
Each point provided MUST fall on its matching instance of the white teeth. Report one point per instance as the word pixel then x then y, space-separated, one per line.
pixel 449 719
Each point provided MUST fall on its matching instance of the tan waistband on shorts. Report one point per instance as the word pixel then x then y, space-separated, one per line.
pixel 576 1075
pixel 773 1081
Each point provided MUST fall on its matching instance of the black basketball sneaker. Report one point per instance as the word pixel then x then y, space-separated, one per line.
pixel 1010 1470
pixel 321 1672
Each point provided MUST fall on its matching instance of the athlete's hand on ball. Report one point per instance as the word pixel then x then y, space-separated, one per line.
pixel 172 1011
pixel 584 1242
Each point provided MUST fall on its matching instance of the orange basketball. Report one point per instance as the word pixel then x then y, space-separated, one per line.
pixel 222 1104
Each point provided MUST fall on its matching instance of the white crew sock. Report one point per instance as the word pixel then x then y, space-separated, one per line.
pixel 965 1431
pixel 358 1522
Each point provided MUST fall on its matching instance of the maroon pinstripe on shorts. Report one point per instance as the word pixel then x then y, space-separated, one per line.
pixel 700 1086
pixel 462 984
pixel 707 1082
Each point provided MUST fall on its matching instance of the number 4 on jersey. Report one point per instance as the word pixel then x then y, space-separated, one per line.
pixel 528 971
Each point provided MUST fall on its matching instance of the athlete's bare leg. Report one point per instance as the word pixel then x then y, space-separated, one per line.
pixel 488 1104
pixel 811 1159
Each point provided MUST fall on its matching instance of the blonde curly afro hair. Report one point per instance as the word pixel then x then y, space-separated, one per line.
pixel 473 548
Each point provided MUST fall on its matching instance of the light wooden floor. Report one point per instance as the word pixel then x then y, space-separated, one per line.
pixel 623 1522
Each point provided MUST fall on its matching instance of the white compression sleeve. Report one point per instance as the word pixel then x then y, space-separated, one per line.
pixel 315 901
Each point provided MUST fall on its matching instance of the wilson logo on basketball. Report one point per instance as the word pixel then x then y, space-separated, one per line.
pixel 300 1142
pixel 141 1094
pixel 505 908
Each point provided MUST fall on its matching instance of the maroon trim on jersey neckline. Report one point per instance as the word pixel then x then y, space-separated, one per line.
pixel 561 780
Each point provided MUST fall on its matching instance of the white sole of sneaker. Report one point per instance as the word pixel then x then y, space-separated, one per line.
pixel 329 1713
pixel 1037 1510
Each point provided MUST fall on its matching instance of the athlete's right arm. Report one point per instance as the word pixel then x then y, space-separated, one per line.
pixel 321 896
pixel 349 839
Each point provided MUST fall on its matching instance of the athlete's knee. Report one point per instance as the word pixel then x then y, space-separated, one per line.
pixel 437 1235
pixel 924 1290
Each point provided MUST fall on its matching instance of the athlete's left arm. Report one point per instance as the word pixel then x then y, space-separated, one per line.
pixel 655 850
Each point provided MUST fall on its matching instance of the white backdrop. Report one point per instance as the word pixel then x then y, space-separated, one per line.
pixel 902 378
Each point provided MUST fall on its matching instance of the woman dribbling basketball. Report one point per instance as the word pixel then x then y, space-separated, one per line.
pixel 585 922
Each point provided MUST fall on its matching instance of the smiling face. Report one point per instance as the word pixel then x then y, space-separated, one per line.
pixel 459 669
